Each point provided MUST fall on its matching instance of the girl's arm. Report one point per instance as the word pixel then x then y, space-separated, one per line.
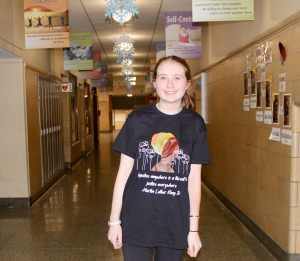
pixel 115 231
pixel 194 187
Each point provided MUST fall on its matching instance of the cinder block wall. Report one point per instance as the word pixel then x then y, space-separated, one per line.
pixel 260 176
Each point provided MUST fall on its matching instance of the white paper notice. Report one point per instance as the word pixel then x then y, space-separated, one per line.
pixel 280 110
pixel 246 108
pixel 253 102
pixel 282 79
pixel 263 72
pixel 259 116
pixel 246 101
pixel 249 82
pixel 263 93
pixel 249 62
pixel 268 117
pixel 286 137
pixel 275 134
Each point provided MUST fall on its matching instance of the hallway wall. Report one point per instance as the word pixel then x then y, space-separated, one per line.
pixel 221 38
pixel 13 149
pixel 260 176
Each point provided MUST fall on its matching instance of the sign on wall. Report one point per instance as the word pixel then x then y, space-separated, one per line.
pixel 104 78
pixel 183 37
pixel 96 72
pixel 46 24
pixel 226 10
pixel 79 56
pixel 160 51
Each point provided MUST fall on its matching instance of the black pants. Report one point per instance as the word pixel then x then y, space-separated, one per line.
pixel 135 253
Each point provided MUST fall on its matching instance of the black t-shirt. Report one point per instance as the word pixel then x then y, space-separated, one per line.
pixel 156 208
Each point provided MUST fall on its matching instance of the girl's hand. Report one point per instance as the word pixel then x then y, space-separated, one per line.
pixel 115 236
pixel 194 243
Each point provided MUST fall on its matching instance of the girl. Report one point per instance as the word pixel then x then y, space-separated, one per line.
pixel 158 186
pixel 184 38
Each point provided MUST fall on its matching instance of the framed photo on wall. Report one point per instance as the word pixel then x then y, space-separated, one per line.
pixel 276 108
pixel 246 90
pixel 268 95
pixel 287 110
pixel 259 95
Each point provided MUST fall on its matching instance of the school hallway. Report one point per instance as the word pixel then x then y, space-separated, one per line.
pixel 69 222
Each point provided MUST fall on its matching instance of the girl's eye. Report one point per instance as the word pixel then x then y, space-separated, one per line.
pixel 162 78
pixel 177 78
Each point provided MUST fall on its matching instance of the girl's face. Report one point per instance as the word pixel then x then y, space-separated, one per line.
pixel 183 29
pixel 171 82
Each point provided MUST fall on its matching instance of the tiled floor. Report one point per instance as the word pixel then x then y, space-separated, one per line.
pixel 70 221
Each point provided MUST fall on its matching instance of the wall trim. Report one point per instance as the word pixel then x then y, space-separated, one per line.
pixel 85 152
pixel 278 252
pixel 21 203
pixel 283 25
pixel 69 165
pixel 41 72
pixel 46 187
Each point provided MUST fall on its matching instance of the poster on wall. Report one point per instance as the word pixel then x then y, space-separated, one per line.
pixel 253 83
pixel 275 134
pixel 287 110
pixel 226 10
pixel 246 91
pixel 110 79
pixel 183 37
pixel 46 24
pixel 286 137
pixel 96 72
pixel 258 93
pixel 276 109
pixel 103 82
pixel 160 50
pixel 79 56
pixel 268 94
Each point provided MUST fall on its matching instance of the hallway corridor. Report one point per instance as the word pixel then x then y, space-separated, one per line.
pixel 70 221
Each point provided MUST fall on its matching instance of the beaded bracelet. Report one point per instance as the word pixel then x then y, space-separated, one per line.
pixel 194 216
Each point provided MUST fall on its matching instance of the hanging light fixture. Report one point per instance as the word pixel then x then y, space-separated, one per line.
pixel 121 10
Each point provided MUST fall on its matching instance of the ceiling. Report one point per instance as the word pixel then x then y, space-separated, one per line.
pixel 147 28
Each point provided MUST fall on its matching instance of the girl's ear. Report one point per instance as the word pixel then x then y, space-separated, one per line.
pixel 188 84
pixel 154 84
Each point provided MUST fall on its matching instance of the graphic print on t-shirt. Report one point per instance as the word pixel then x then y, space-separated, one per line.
pixel 164 155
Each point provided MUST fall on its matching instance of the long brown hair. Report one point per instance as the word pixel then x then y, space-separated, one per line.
pixel 188 99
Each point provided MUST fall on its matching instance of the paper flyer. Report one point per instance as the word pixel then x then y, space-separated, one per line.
pixel 286 137
pixel 268 117
pixel 282 79
pixel 259 116
pixel 275 134
pixel 211 10
pixel 246 104
pixel 253 102
pixel 46 24
pixel 263 72
pixel 80 54
pixel 96 72
pixel 183 37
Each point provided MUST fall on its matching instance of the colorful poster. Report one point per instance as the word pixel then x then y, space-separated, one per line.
pixel 96 72
pixel 160 51
pixel 276 109
pixel 46 24
pixel 104 78
pixel 287 110
pixel 183 37
pixel 110 78
pixel 80 54
pixel 226 10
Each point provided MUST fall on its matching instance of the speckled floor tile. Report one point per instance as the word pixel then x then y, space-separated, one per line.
pixel 70 221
